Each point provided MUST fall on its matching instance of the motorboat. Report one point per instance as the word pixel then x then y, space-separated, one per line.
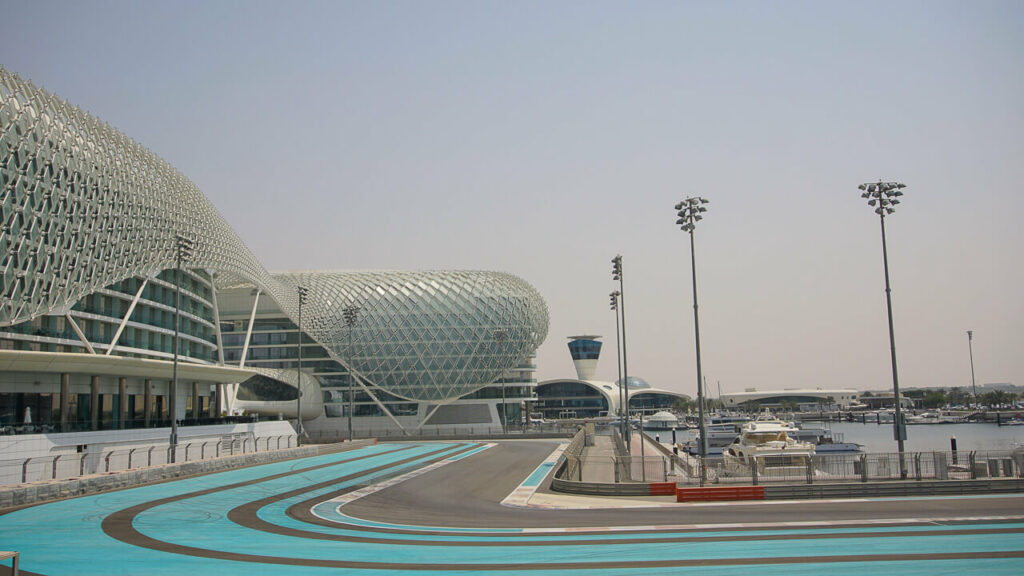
pixel 824 440
pixel 933 417
pixel 772 446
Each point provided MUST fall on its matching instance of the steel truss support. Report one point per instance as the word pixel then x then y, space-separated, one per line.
pixel 127 315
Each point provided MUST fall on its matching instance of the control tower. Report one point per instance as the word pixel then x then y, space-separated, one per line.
pixel 585 351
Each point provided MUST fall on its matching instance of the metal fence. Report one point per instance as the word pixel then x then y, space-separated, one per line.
pixel 864 467
pixel 573 457
pixel 441 431
pixel 75 464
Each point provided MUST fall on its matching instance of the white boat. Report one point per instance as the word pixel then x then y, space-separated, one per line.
pixel 933 417
pixel 661 421
pixel 771 444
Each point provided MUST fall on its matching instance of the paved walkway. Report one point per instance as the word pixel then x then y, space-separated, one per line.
pixel 599 461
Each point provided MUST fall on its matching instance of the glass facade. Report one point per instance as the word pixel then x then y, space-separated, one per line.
pixel 570 399
pixel 274 339
pixel 149 331
pixel 582 349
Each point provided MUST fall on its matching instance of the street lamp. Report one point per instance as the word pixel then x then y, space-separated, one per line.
pixel 303 293
pixel 618 357
pixel 351 316
pixel 184 249
pixel 970 349
pixel 499 337
pixel 617 275
pixel 690 212
pixel 884 196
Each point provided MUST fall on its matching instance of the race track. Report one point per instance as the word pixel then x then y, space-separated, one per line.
pixel 302 517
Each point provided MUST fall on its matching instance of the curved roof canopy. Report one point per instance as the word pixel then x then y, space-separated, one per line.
pixel 84 206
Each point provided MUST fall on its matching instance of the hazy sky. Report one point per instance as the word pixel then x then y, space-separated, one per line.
pixel 542 138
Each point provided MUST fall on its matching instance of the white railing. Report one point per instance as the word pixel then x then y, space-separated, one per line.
pixel 72 465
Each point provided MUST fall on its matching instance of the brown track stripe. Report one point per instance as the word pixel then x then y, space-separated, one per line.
pixel 119 525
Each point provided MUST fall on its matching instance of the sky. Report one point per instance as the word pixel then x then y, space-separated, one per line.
pixel 544 138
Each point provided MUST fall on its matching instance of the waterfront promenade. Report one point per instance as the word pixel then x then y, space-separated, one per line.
pixel 442 513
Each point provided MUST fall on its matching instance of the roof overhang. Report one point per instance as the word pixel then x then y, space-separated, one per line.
pixel 102 365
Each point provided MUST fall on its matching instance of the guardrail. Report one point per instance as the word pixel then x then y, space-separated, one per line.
pixel 890 489
pixel 70 465
pixel 442 432
pixel 865 467
pixel 13 556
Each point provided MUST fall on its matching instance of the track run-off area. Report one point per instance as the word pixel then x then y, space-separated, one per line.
pixel 441 512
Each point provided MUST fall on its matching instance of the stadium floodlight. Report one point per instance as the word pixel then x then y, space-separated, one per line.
pixel 617 275
pixel 883 195
pixel 690 212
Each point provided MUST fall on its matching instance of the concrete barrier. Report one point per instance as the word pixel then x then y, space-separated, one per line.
pixel 37 492
pixel 662 488
pixel 719 493
pixel 895 488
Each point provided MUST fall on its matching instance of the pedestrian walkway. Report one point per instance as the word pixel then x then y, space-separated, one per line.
pixel 598 461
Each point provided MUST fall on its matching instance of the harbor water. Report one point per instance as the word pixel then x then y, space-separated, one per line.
pixel 930 437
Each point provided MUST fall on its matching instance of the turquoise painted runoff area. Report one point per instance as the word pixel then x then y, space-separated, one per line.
pixel 538 474
pixel 66 537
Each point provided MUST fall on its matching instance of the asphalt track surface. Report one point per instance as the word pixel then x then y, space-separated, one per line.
pixel 310 516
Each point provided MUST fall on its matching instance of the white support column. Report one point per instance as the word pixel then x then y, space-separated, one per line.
pixel 81 335
pixel 429 416
pixel 128 314
pixel 359 380
pixel 216 322
pixel 248 330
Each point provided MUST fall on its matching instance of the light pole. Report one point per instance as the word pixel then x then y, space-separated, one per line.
pixel 499 337
pixel 884 196
pixel 617 275
pixel 303 293
pixel 618 358
pixel 970 349
pixel 690 212
pixel 351 316
pixel 184 249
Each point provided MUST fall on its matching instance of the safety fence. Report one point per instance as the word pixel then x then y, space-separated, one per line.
pixel 863 467
pixel 573 453
pixel 428 432
pixel 75 464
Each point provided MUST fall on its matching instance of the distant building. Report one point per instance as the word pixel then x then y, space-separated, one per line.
pixel 841 397
pixel 585 397
pixel 878 401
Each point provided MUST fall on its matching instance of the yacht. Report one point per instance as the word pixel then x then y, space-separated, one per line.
pixel 769 443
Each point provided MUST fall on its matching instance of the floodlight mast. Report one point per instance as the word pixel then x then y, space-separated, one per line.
pixel 351 316
pixel 184 249
pixel 884 196
pixel 618 360
pixel 690 212
pixel 617 275
pixel 303 294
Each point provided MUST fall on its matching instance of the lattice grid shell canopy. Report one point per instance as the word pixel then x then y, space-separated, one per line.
pixel 84 206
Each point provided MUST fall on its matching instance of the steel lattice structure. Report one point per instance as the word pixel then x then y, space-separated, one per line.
pixel 83 206
pixel 429 335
